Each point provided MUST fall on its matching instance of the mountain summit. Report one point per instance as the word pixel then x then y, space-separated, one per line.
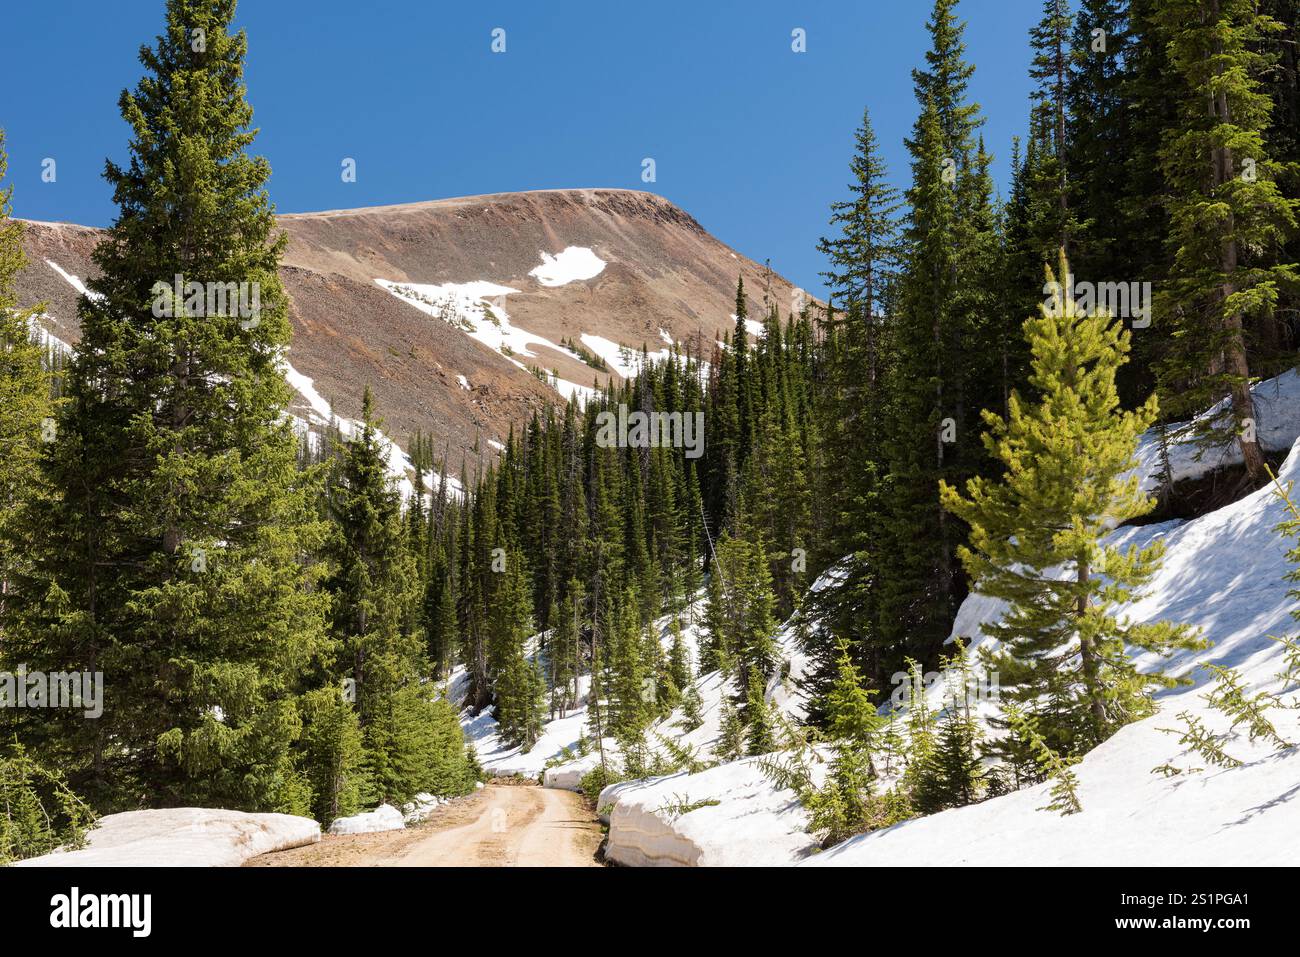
pixel 465 315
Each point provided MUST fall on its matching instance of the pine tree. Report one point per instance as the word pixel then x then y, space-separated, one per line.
pixel 1098 108
pixel 1064 791
pixel 333 755
pixel 679 657
pixel 630 710
pixel 1049 70
pixel 943 355
pixel 852 715
pixel 39 813
pixel 920 734
pixel 953 776
pixel 740 615
pixel 864 253
pixel 1229 219
pixel 864 257
pixel 173 550
pixel 692 708
pixel 1062 642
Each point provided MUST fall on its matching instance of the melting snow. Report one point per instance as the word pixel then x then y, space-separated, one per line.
pixel 74 281
pixel 573 264
pixel 478 309
pixel 1277 410
pixel 183 837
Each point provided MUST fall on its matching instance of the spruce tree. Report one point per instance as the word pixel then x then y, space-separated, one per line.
pixel 175 549
pixel 374 586
pixel 731 733
pixel 1062 642
pixel 1049 39
pixel 679 657
pixel 1229 219
pixel 864 256
pixel 954 775
pixel 332 755
pixel 759 737
pixel 740 614
pixel 944 347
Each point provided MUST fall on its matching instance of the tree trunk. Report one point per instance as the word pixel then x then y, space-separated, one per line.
pixel 1088 654
pixel 1234 360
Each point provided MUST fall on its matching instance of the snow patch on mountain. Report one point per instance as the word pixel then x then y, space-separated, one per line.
pixel 573 264
pixel 478 309
pixel 397 463
pixel 73 281
pixel 624 360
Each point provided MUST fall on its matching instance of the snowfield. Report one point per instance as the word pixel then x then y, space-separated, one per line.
pixel 478 309
pixel 1222 572
pixel 397 463
pixel 574 264
pixel 183 837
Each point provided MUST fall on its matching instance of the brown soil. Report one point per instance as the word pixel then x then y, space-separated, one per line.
pixel 664 271
pixel 499 826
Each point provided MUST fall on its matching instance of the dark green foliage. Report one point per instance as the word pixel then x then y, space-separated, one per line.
pixel 38 811
pixel 1229 219
pixel 172 545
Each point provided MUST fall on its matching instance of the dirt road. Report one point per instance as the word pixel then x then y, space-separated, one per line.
pixel 501 826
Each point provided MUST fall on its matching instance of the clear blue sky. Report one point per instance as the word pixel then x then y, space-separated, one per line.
pixel 748 136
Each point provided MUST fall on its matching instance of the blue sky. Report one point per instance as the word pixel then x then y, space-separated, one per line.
pixel 748 136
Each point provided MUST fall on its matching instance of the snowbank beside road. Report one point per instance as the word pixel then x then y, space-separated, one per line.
pixel 183 837
pixel 1131 817
pixel 728 816
pixel 383 818
pixel 1222 572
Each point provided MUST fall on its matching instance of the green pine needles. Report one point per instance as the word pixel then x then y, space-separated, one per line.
pixel 1036 534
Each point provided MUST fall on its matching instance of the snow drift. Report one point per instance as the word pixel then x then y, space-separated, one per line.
pixel 728 816
pixel 383 818
pixel 183 837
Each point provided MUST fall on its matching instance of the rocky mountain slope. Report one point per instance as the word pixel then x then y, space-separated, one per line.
pixel 455 311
